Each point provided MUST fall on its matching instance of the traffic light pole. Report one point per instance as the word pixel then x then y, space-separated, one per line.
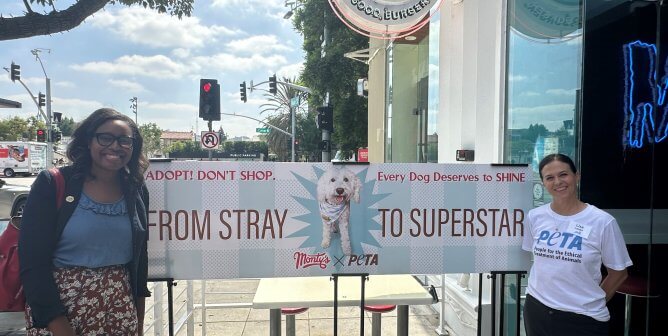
pixel 326 136
pixel 49 135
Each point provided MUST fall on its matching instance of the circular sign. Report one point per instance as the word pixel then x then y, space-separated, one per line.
pixel 209 140
pixel 384 18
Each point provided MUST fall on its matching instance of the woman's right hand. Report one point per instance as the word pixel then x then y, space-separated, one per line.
pixel 60 326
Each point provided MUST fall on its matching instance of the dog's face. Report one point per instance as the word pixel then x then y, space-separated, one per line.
pixel 339 185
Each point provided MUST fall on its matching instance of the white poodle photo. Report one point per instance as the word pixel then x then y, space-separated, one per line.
pixel 336 187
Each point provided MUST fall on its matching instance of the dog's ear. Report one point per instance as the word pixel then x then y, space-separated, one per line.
pixel 357 188
pixel 322 188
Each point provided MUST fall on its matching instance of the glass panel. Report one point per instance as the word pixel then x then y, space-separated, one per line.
pixel 412 96
pixel 624 145
pixel 543 99
pixel 543 83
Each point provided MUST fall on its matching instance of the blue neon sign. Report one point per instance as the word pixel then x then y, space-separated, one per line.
pixel 642 93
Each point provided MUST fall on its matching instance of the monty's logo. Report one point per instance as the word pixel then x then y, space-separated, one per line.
pixel 563 239
pixel 303 260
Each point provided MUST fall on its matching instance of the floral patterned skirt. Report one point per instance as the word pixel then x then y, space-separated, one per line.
pixel 98 301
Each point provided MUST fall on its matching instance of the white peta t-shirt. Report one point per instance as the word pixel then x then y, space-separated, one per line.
pixel 567 256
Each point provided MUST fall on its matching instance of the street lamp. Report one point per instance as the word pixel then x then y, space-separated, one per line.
pixel 293 5
pixel 134 102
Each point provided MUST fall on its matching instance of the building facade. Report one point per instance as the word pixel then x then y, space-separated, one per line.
pixel 516 80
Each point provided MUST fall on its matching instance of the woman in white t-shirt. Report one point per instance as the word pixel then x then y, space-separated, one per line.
pixel 570 240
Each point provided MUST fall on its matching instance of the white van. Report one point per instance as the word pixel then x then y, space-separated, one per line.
pixel 22 157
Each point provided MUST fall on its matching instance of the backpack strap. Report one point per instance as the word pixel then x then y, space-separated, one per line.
pixel 60 186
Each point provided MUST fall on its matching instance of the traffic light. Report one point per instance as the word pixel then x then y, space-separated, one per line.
pixel 57 117
pixel 325 118
pixel 296 145
pixel 57 136
pixel 209 99
pixel 15 72
pixel 41 99
pixel 41 135
pixel 272 84
pixel 242 90
pixel 325 145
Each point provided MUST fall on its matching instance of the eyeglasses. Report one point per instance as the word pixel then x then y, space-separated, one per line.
pixel 106 139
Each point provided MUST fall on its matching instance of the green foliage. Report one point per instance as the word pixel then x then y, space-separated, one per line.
pixel 18 129
pixel 151 134
pixel 334 73
pixel 67 126
pixel 60 16
pixel 193 150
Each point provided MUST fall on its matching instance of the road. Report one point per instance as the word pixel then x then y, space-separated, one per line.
pixel 24 181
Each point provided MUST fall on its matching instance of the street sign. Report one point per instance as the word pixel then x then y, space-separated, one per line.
pixel 262 130
pixel 294 102
pixel 209 140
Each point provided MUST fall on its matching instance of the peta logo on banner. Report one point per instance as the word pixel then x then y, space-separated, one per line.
pixel 562 239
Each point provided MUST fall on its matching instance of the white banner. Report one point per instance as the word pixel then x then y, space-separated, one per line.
pixel 215 220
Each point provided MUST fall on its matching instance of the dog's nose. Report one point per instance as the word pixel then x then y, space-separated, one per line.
pixel 339 191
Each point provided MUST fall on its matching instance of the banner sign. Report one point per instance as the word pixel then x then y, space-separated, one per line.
pixel 217 220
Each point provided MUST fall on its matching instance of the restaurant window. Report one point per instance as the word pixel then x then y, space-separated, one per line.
pixel 412 96
pixel 543 81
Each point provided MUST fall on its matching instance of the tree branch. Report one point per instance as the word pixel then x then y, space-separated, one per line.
pixel 25 2
pixel 34 24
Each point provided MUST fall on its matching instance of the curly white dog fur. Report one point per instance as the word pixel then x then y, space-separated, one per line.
pixel 336 187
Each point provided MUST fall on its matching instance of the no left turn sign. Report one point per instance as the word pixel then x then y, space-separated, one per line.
pixel 209 140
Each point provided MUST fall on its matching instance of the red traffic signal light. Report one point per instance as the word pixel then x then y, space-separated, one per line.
pixel 41 135
pixel 209 99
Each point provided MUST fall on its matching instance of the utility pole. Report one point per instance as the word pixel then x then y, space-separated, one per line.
pixel 49 140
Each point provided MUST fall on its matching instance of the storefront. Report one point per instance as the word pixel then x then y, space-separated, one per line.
pixel 516 80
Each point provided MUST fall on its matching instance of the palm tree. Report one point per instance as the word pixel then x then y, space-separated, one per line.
pixel 279 110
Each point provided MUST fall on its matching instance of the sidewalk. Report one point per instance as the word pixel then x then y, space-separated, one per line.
pixel 423 320
pixel 315 322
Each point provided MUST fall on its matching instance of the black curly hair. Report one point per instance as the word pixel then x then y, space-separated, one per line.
pixel 78 150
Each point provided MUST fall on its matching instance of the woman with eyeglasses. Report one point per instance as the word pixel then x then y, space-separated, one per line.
pixel 84 265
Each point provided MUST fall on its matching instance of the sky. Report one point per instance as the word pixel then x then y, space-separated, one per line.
pixel 123 52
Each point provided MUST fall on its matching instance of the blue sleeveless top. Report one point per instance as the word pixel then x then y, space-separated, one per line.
pixel 97 235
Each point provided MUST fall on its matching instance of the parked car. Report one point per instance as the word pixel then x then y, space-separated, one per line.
pixel 12 199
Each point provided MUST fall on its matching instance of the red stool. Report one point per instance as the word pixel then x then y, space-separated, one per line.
pixel 290 319
pixel 375 316
pixel 634 286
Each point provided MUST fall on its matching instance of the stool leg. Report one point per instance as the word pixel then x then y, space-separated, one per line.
pixel 375 324
pixel 627 316
pixel 290 325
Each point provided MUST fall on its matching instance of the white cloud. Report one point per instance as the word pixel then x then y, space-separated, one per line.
pixel 249 5
pixel 228 62
pixel 65 84
pixel 561 92
pixel 517 78
pixel 148 27
pixel 157 66
pixel 181 53
pixel 529 94
pixel 131 87
pixel 259 44
pixel 291 70
pixel 552 116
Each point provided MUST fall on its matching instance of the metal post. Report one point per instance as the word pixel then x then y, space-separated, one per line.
pixel 210 150
pixel 49 138
pixel 326 154
pixel 294 131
